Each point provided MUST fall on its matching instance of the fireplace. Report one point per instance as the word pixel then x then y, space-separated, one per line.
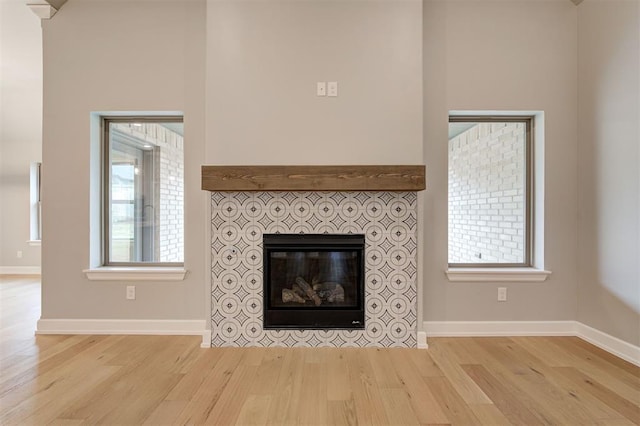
pixel 239 222
pixel 313 281
pixel 375 203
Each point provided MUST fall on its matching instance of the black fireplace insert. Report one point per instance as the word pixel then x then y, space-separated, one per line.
pixel 313 281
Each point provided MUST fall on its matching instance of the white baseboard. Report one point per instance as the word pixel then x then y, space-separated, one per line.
pixel 499 328
pixel 19 270
pixel 613 345
pixel 206 339
pixel 422 340
pixel 609 343
pixel 139 327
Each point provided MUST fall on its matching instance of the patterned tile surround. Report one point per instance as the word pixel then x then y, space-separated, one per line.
pixel 389 222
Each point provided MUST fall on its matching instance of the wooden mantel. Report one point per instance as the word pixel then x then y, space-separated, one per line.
pixel 313 178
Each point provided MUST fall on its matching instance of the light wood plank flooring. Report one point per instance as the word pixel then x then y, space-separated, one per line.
pixel 155 380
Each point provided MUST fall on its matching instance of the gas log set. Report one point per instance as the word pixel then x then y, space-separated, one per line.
pixel 316 293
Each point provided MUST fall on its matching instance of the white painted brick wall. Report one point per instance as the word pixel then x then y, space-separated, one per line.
pixel 171 225
pixel 486 194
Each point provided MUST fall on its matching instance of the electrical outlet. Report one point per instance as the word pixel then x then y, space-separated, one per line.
pixel 131 292
pixel 19 254
pixel 502 294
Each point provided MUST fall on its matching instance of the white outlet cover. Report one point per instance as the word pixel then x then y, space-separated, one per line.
pixel 502 294
pixel 131 292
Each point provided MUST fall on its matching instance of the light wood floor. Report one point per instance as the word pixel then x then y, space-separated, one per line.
pixel 131 380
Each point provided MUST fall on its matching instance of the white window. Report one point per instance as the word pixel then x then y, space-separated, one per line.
pixel 35 203
pixel 490 191
pixel 143 191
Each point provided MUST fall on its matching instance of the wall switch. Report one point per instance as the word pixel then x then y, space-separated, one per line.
pixel 19 254
pixel 131 292
pixel 332 88
pixel 321 88
pixel 502 294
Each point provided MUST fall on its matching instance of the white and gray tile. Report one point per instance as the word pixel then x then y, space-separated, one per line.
pixel 387 219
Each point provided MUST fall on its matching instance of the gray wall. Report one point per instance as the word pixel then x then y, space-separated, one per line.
pixel 497 55
pixel 264 59
pixel 262 65
pixel 244 73
pixel 609 172
pixel 20 128
pixel 117 56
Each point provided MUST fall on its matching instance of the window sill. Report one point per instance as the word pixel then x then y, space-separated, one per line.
pixel 497 274
pixel 112 273
pixel 34 242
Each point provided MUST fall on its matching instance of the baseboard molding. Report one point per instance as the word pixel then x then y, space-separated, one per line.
pixel 19 270
pixel 499 328
pixel 422 340
pixel 609 343
pixel 206 339
pixel 613 345
pixel 135 327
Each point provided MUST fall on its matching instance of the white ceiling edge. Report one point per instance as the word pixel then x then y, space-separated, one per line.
pixel 43 11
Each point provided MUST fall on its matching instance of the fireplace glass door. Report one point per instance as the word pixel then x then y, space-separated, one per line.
pixel 314 281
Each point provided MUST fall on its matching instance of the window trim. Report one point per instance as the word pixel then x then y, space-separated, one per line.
pixel 136 273
pixel 150 270
pixel 498 271
pixel 497 274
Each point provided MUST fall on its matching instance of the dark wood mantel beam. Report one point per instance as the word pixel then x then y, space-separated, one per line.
pixel 314 178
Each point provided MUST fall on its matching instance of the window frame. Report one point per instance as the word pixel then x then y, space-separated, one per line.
pixel 35 203
pixel 529 162
pixel 105 186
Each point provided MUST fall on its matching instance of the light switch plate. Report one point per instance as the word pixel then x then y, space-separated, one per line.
pixel 332 88
pixel 321 88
